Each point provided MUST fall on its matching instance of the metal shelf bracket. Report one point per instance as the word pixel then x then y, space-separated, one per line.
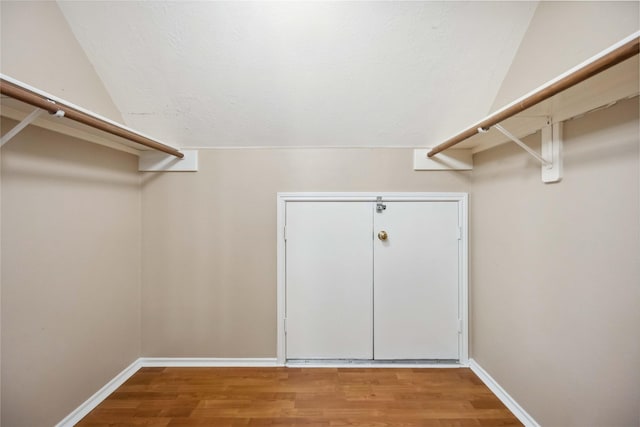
pixel 26 122
pixel 551 155
pixel 551 143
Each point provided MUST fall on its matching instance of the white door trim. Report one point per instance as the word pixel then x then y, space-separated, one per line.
pixel 284 198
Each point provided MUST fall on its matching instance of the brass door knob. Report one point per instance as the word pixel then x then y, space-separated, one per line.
pixel 382 235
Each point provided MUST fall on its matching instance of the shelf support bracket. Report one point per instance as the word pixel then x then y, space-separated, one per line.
pixel 525 147
pixel 26 122
pixel 23 124
pixel 551 142
pixel 551 156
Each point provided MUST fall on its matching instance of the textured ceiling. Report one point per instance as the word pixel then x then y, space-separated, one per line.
pixel 286 74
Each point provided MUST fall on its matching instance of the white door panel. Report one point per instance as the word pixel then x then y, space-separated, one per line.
pixel 329 275
pixel 350 295
pixel 416 281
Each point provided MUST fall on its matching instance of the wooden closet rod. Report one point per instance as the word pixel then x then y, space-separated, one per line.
pixel 40 101
pixel 616 56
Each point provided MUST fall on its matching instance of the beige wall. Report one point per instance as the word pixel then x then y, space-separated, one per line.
pixel 70 273
pixel 554 315
pixel 560 36
pixel 555 273
pixel 209 240
pixel 37 47
pixel 70 235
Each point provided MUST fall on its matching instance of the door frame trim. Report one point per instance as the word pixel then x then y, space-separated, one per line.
pixel 463 219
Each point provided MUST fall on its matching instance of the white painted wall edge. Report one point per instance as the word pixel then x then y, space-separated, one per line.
pixel 146 362
pixel 157 161
pixel 302 147
pixel 81 411
pixel 454 159
pixel 504 397
pixel 206 362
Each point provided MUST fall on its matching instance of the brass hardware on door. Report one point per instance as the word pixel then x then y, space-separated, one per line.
pixel 382 235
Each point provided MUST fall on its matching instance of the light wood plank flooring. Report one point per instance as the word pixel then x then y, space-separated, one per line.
pixel 301 396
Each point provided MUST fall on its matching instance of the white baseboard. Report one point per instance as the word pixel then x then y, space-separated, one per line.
pixel 508 401
pixel 206 362
pixel 147 362
pixel 81 411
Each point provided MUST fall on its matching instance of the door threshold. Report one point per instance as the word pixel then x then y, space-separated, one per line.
pixel 367 363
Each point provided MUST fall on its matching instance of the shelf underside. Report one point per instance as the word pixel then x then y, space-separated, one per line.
pixel 17 110
pixel 615 84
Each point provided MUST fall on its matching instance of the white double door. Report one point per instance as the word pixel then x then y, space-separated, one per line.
pixel 352 294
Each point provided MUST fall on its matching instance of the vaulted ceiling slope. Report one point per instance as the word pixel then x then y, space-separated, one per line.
pixel 300 74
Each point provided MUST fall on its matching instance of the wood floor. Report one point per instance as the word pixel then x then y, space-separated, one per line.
pixel 301 396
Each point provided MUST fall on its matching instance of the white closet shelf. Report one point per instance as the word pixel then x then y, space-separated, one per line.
pixel 608 77
pixel 53 113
